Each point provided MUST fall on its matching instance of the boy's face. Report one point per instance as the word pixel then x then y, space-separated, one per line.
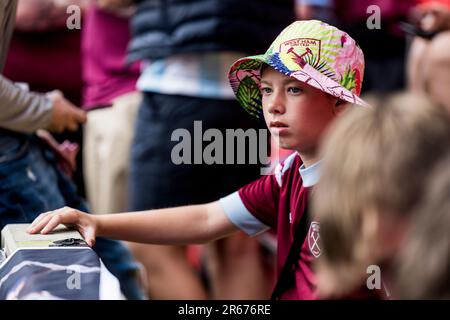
pixel 295 113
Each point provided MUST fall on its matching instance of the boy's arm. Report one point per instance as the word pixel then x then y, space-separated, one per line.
pixel 180 225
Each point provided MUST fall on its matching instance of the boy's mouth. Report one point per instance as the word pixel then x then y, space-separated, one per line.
pixel 277 124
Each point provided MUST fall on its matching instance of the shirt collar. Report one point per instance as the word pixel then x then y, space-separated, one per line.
pixel 310 175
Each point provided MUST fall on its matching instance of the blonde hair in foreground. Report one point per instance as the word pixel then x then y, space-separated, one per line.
pixel 374 160
pixel 424 264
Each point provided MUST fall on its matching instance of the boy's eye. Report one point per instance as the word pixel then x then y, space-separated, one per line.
pixel 265 90
pixel 295 90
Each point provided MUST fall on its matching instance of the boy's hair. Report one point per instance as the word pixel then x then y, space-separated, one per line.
pixel 424 264
pixel 375 158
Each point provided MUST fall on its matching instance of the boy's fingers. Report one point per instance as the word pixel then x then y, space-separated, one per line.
pixel 38 227
pixel 43 219
pixel 54 221
pixel 38 220
pixel 62 216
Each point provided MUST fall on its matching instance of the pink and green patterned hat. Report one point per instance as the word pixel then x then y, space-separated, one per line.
pixel 310 51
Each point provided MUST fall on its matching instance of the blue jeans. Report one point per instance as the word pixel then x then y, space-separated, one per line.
pixel 31 183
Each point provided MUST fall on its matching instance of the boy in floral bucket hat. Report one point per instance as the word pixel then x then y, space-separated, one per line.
pixel 300 84
pixel 312 52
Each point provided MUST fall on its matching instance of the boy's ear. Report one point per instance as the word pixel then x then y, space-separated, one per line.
pixel 339 106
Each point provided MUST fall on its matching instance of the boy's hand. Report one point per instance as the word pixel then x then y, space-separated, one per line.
pixel 85 224
pixel 65 115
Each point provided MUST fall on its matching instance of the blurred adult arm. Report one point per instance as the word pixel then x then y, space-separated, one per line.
pixel 27 112
pixel 21 110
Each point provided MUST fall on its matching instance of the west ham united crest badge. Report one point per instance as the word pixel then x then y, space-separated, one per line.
pixel 313 239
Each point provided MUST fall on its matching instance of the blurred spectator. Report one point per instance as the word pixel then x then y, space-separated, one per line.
pixel 424 263
pixel 111 99
pixel 431 16
pixel 27 112
pixel 384 47
pixel 45 54
pixel 30 180
pixel 428 67
pixel 376 162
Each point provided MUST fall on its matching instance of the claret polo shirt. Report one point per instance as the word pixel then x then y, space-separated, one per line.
pixel 278 201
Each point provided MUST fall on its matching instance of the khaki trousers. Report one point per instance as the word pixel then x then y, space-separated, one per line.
pixel 108 135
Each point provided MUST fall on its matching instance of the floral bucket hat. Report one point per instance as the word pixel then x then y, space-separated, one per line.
pixel 311 51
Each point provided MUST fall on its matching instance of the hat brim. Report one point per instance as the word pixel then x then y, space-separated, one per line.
pixel 245 78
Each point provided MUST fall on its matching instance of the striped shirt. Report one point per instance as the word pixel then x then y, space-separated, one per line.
pixel 198 75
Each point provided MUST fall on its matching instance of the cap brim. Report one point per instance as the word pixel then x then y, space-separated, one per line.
pixel 314 78
pixel 245 76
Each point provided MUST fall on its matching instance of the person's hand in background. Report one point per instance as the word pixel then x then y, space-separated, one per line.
pixel 65 115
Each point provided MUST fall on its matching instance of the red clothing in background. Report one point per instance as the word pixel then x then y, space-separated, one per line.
pixel 47 61
pixel 106 76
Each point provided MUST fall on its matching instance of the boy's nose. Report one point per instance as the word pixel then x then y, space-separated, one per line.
pixel 276 104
